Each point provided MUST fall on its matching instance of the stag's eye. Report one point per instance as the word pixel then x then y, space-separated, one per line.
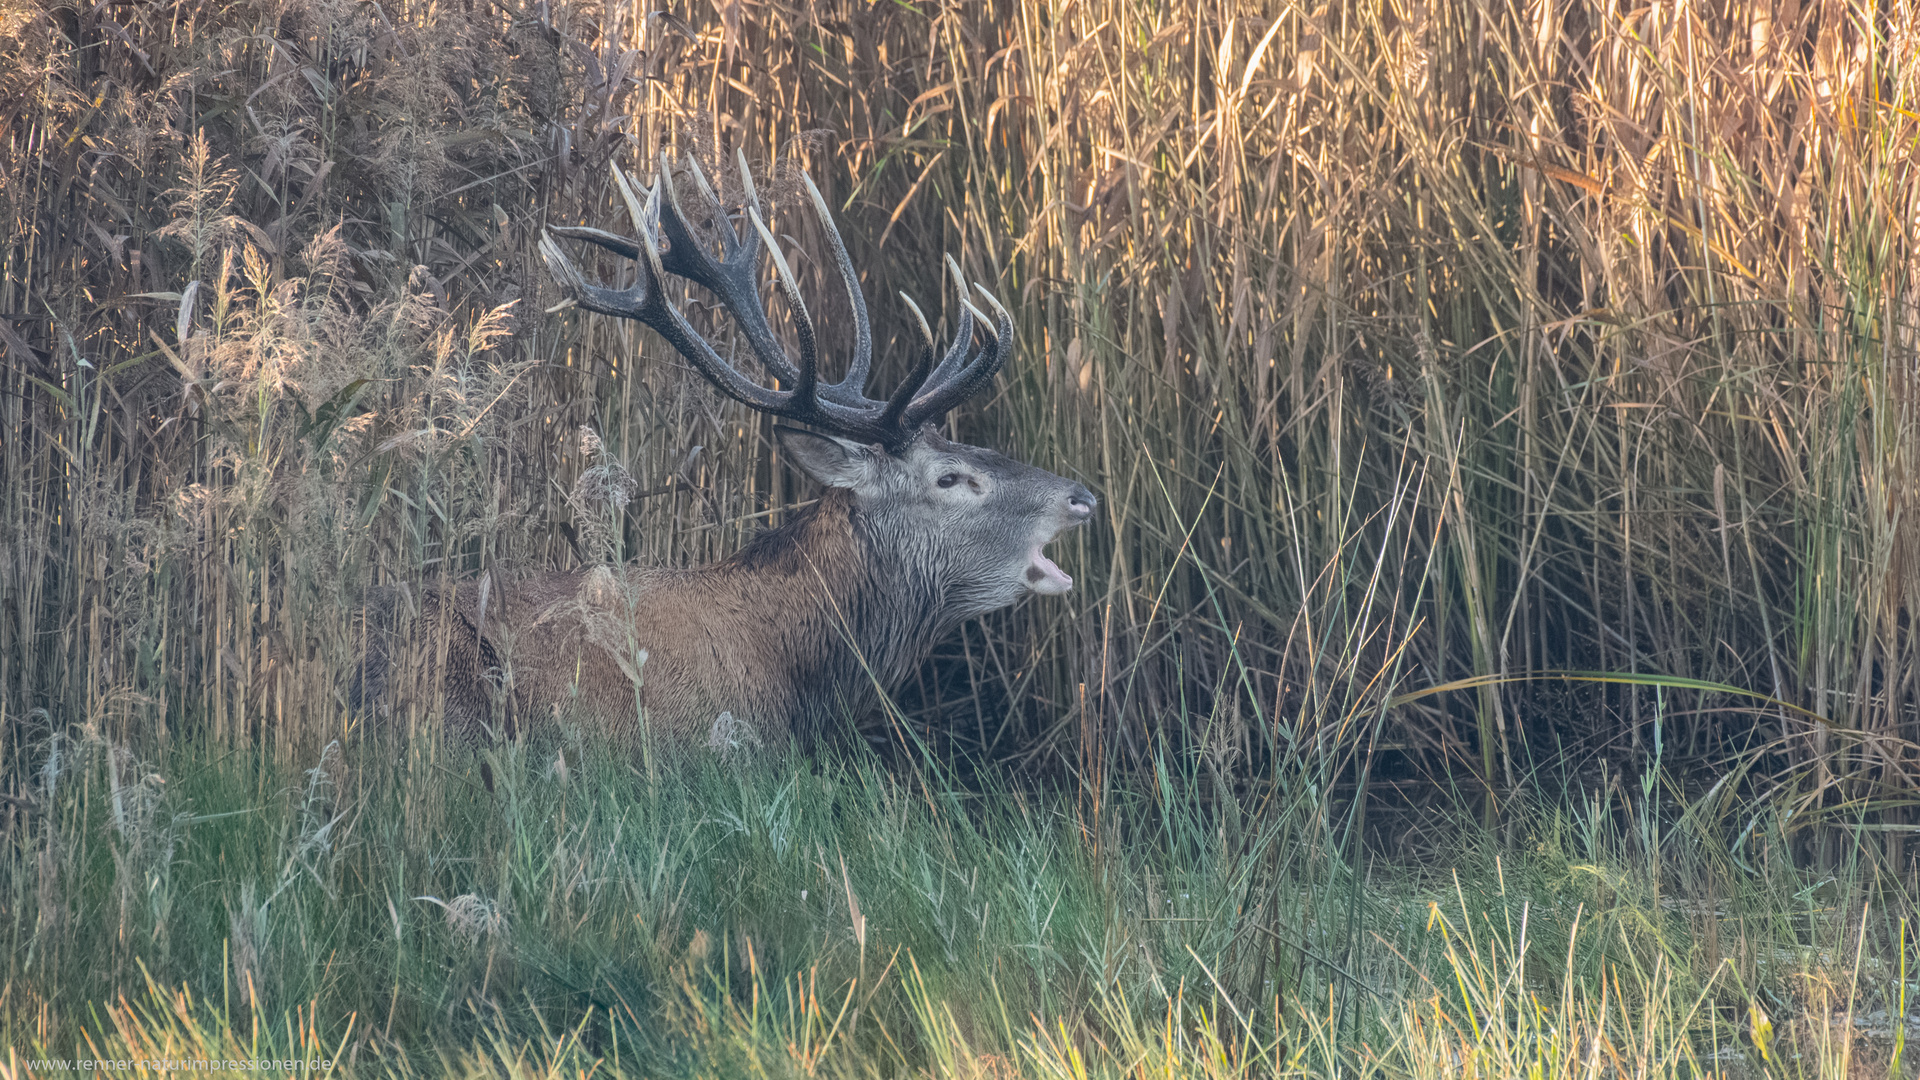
pixel 950 479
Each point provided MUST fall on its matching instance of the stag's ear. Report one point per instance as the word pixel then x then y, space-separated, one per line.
pixel 833 461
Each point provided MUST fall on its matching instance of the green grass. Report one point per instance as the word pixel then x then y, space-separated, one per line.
pixel 830 917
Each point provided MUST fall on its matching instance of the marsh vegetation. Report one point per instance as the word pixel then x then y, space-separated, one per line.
pixel 1495 654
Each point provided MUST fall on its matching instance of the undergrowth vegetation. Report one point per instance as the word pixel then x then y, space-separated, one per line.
pixel 820 917
pixel 1421 354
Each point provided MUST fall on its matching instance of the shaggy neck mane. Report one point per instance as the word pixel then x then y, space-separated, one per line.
pixel 841 610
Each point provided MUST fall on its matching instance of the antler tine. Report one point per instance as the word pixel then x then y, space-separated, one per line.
pixel 729 240
pixel 640 213
pixel 734 281
pixel 746 179
pixel 802 322
pixel 624 303
pixel 1006 319
pixel 970 379
pixel 854 383
pixel 926 332
pixel 562 268
pixel 956 357
pixel 686 255
pixel 903 396
pixel 619 245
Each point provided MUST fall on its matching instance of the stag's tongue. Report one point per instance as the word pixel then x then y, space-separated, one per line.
pixel 1045 577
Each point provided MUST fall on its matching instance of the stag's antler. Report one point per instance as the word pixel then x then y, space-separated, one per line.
pixel 665 244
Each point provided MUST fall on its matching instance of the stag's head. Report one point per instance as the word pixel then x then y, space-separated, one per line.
pixel 972 522
pixel 975 521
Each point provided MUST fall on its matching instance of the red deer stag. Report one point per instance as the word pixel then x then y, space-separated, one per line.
pixel 811 620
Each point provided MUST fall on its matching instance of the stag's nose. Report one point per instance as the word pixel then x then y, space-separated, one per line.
pixel 1080 503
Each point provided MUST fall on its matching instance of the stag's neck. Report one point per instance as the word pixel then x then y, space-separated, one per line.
pixel 844 609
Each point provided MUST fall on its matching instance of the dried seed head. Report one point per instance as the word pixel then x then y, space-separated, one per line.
pixel 472 917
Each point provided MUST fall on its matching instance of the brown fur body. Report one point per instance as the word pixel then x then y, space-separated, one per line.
pixel 787 636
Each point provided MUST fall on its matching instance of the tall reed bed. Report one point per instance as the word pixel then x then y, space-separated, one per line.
pixel 1634 286
pixel 1594 324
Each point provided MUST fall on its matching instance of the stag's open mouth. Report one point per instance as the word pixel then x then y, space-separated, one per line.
pixel 1044 576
